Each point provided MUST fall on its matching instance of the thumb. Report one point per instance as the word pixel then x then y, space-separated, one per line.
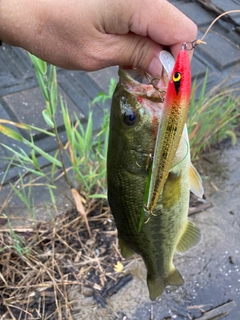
pixel 142 33
pixel 134 51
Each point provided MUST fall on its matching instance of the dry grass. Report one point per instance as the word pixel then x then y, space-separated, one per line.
pixel 40 265
pixel 34 281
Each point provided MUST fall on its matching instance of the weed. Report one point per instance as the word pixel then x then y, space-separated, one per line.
pixel 85 150
pixel 18 243
pixel 36 282
pixel 212 117
pixel 102 96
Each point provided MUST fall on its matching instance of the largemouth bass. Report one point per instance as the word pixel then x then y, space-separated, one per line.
pixel 135 116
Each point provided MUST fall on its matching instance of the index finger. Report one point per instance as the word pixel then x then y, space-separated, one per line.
pixel 163 23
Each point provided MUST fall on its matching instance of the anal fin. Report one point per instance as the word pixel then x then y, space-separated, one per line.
pixel 156 286
pixel 191 237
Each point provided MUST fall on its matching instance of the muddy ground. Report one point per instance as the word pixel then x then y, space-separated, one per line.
pixel 211 270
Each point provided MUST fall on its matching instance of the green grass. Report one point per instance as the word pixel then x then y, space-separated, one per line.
pixel 85 149
pixel 32 259
pixel 18 243
pixel 212 117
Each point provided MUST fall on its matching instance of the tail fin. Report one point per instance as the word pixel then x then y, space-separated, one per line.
pixel 157 285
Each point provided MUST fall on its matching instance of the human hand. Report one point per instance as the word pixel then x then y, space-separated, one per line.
pixel 94 34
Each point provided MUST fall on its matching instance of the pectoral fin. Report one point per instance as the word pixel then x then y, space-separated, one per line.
pixel 125 250
pixel 157 285
pixel 195 182
pixel 190 238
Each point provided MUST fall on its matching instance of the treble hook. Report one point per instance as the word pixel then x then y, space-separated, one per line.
pixel 151 81
pixel 149 214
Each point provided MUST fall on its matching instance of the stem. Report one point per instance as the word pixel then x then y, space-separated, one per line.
pixel 60 147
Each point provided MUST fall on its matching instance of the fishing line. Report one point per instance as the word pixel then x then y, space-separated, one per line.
pixel 196 42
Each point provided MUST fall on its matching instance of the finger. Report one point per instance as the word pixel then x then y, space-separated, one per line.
pixel 163 23
pixel 134 51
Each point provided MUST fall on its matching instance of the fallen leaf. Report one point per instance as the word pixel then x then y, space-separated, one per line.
pixel 118 267
pixel 80 208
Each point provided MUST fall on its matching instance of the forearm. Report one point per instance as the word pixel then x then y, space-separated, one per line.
pixel 18 22
pixel 53 30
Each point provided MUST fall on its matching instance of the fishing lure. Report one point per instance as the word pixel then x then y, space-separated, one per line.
pixel 170 128
pixel 176 104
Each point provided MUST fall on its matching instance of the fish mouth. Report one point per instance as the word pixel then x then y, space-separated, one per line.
pixel 140 83
pixel 134 75
pixel 140 78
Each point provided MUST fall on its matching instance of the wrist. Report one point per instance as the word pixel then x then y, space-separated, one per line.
pixel 17 22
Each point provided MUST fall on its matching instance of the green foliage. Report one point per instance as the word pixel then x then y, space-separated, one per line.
pixel 87 152
pixel 85 149
pixel 18 243
pixel 212 117
pixel 24 194
pixel 102 96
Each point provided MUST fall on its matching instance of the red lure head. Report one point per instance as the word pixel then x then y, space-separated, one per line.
pixel 179 86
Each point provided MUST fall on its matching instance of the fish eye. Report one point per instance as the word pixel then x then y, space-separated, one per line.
pixel 177 76
pixel 130 118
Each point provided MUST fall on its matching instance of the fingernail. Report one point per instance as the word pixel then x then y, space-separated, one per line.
pixel 155 67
